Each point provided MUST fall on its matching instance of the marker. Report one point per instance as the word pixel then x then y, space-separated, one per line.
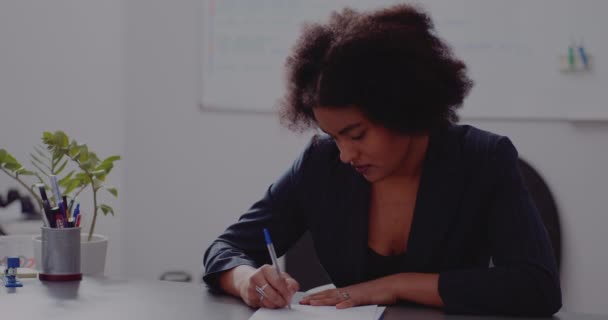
pixel 59 222
pixel 66 212
pixel 42 191
pixel 571 57
pixel 76 211
pixel 581 51
pixel 273 256
pixel 78 220
pixel 45 201
pixel 70 207
pixel 77 215
pixel 48 213
pixel 71 223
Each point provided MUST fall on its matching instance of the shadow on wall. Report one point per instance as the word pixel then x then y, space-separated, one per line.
pixel 28 209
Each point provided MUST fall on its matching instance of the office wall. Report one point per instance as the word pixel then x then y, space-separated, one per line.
pixel 61 68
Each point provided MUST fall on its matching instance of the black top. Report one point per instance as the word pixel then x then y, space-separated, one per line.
pixel 379 266
pixel 471 206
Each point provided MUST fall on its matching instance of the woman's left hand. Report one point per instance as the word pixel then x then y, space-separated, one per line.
pixel 372 292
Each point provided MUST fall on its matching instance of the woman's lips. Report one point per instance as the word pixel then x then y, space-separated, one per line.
pixel 362 169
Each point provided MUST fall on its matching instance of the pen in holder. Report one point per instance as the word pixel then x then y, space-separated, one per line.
pixel 60 254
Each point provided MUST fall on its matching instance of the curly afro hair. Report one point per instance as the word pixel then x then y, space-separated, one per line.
pixel 388 63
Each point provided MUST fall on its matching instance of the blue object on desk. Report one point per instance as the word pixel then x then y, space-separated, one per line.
pixel 10 274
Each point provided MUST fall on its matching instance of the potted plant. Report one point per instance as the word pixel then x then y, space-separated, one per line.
pixel 77 168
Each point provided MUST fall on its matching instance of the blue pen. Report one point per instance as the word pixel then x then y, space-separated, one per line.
pixel 76 211
pixel 273 256
pixel 581 51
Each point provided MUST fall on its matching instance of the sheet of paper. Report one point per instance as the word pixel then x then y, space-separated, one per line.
pixel 302 312
pixel 379 312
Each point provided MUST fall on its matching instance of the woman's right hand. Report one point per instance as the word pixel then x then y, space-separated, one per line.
pixel 273 291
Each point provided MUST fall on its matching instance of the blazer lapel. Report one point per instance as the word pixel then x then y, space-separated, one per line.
pixel 438 196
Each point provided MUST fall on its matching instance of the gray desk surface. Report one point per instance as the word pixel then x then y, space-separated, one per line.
pixel 110 299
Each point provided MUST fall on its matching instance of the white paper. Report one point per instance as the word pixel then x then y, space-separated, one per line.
pixel 304 312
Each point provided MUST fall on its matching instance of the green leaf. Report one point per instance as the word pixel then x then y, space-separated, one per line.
pixel 13 166
pixel 7 158
pixel 94 159
pixel 87 165
pixel 27 173
pixel 72 185
pixel 65 181
pixel 58 171
pixel 83 178
pixel 106 208
pixel 97 184
pixel 3 154
pixel 47 137
pixel 83 156
pixel 105 167
pixel 108 163
pixel 112 158
pixel 61 139
pixel 99 175
pixel 113 191
pixel 73 150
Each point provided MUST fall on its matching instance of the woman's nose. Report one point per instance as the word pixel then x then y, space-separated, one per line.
pixel 348 154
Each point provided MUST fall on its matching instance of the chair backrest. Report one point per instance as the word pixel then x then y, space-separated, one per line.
pixel 302 263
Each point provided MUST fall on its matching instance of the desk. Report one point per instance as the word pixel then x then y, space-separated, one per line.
pixel 110 299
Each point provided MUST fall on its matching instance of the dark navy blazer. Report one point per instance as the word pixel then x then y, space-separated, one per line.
pixel 472 207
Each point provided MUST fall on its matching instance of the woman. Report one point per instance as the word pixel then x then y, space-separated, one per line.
pixel 402 203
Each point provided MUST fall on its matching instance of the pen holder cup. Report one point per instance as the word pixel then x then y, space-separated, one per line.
pixel 60 254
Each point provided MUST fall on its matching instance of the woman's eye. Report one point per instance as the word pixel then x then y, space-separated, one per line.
pixel 359 136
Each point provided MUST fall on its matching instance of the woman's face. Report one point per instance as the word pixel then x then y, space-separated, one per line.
pixel 373 150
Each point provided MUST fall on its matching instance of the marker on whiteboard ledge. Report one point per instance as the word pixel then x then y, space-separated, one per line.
pixel 584 58
pixel 571 57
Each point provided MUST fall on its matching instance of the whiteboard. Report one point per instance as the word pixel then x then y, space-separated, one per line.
pixel 515 52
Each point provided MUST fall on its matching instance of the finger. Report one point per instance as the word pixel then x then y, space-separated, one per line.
pixel 253 298
pixel 272 296
pixel 349 303
pixel 267 303
pixel 262 298
pixel 292 285
pixel 321 295
pixel 325 302
pixel 278 283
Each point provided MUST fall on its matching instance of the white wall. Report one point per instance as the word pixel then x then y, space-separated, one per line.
pixel 188 174
pixel 61 69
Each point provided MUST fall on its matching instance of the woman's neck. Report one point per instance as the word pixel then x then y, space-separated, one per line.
pixel 413 163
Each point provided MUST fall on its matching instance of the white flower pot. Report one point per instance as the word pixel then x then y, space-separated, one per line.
pixel 92 253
